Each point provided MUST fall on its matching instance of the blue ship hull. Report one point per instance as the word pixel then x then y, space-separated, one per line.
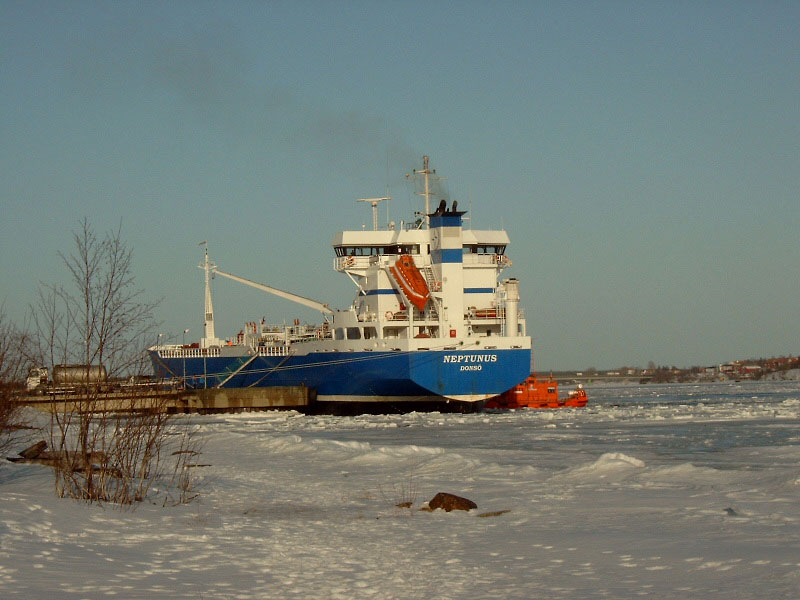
pixel 361 376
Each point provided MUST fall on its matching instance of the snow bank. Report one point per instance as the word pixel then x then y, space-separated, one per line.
pixel 611 466
pixel 652 491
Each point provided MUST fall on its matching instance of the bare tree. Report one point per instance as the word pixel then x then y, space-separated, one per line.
pixel 105 312
pixel 12 365
pixel 106 447
pixel 51 331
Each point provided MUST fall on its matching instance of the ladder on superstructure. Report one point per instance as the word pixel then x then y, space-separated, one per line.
pixel 430 280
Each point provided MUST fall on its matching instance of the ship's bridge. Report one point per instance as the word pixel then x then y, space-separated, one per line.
pixel 390 242
pixel 485 241
pixel 370 243
pixel 376 250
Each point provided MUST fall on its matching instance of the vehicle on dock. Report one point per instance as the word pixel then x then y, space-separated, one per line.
pixel 67 378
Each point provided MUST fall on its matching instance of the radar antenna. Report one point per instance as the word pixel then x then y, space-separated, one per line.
pixel 374 202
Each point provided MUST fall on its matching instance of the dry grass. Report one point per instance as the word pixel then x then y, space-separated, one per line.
pixel 404 494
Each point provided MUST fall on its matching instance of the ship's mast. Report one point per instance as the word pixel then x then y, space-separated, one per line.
pixel 209 336
pixel 426 171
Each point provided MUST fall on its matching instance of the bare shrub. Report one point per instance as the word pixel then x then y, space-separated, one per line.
pixel 12 363
pixel 125 456
pixel 402 494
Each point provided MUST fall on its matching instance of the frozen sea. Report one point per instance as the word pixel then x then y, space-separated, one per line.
pixel 659 491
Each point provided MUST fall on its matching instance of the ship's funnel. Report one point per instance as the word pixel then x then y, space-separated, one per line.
pixel 511 293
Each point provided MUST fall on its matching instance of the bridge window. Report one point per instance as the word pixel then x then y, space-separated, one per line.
pixel 484 249
pixel 338 333
pixel 376 250
pixel 353 333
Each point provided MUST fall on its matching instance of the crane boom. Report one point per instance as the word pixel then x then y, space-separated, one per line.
pixel 280 293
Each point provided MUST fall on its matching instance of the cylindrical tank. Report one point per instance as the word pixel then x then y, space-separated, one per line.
pixel 77 374
pixel 512 306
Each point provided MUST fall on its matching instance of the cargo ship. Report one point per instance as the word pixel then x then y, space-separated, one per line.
pixel 432 320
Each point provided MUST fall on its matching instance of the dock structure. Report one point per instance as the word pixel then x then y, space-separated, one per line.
pixel 175 401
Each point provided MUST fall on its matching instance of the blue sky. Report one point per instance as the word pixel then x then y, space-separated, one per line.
pixel 644 157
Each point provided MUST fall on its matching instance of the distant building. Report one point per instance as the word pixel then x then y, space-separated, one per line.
pixel 782 362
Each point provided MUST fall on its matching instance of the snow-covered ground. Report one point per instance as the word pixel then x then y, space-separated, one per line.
pixel 679 491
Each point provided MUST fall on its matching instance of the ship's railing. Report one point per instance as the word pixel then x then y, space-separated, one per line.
pixel 486 313
pixel 472 313
pixel 277 333
pixel 486 259
pixel 397 316
pixel 340 263
pixel 188 352
pixel 215 352
pixel 273 350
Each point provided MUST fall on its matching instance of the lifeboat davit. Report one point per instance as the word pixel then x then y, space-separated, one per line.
pixel 411 281
pixel 535 393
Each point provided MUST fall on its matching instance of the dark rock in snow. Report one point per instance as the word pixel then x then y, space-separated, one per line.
pixel 451 502
pixel 34 451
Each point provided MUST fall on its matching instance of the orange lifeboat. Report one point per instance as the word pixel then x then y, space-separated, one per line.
pixel 535 393
pixel 410 280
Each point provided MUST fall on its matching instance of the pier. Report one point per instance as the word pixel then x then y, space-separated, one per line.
pixel 174 401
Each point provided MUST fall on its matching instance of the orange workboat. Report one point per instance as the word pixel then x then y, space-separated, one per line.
pixel 410 280
pixel 537 393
